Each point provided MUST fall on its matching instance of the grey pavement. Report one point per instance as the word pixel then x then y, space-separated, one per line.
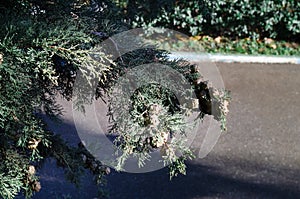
pixel 258 157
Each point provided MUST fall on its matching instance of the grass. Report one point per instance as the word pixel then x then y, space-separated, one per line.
pixel 224 45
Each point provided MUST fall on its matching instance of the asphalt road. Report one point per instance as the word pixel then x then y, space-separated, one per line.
pixel 258 157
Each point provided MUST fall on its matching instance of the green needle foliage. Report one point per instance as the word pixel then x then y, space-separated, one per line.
pixel 43 46
pixel 152 119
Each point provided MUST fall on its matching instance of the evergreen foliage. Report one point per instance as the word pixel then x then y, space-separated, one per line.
pixel 43 45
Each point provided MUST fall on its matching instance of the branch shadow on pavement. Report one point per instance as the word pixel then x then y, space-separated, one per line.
pixel 201 181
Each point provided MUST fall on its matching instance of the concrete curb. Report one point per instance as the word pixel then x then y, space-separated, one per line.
pixel 201 57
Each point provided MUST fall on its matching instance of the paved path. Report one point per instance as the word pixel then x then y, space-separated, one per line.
pixel 259 156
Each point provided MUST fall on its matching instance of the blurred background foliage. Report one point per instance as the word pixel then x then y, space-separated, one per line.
pixel 277 19
pixel 269 27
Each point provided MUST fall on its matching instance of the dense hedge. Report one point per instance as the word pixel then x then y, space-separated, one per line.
pixel 279 19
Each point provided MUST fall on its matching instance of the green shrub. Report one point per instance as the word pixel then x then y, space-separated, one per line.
pixel 245 18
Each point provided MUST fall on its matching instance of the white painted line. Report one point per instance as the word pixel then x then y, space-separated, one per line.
pixel 201 57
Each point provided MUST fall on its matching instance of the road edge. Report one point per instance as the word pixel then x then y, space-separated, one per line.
pixel 231 58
